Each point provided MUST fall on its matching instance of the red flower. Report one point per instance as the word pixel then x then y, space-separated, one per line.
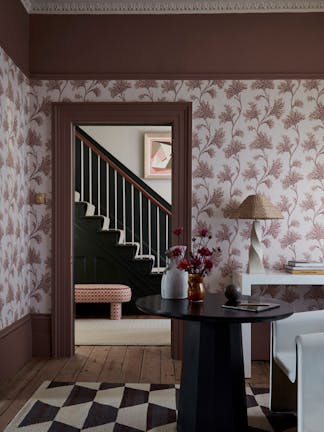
pixel 195 262
pixel 178 231
pixel 204 251
pixel 175 252
pixel 208 264
pixel 184 264
pixel 198 260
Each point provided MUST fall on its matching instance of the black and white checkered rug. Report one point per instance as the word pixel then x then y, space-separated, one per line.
pixel 103 407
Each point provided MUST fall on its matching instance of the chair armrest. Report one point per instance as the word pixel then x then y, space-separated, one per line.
pixel 285 331
pixel 283 338
pixel 310 400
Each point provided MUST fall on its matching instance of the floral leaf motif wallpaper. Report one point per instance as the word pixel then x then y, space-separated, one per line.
pixel 14 193
pixel 250 136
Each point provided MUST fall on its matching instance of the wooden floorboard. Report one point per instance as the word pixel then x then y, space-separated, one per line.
pixel 94 364
pixel 151 365
pixel 167 366
pixel 113 367
pixel 74 365
pixel 103 364
pixel 133 364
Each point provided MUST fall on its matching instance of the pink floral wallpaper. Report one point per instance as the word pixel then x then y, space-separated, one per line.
pixel 14 193
pixel 249 136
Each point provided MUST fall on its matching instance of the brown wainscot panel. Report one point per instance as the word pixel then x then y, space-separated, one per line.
pixel 15 347
pixel 41 331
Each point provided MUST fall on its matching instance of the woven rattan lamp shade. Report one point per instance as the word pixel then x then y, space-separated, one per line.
pixel 256 207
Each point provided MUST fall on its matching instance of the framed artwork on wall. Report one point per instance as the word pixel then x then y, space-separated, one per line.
pixel 157 155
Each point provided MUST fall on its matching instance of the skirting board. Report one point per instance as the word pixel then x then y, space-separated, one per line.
pixel 27 337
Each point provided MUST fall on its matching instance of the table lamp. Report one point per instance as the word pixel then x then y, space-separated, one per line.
pixel 256 207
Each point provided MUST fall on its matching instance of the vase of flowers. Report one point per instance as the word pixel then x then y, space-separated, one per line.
pixel 174 282
pixel 198 264
pixel 196 289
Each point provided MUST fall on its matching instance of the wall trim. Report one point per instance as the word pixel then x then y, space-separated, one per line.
pixel 15 347
pixel 5 332
pixel 65 117
pixel 176 76
pixel 170 7
pixel 41 325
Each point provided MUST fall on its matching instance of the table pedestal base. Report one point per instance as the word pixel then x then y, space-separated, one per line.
pixel 212 395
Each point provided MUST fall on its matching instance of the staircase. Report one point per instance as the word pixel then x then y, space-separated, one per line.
pixel 105 246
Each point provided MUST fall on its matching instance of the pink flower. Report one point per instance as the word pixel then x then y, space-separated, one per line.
pixel 203 232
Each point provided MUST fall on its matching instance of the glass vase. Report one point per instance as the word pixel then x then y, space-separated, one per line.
pixel 196 290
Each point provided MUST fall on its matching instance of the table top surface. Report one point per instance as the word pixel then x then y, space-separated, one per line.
pixel 211 309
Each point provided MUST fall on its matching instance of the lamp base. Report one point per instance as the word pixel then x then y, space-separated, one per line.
pixel 255 252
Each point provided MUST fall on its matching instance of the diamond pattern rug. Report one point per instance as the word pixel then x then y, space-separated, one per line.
pixel 103 407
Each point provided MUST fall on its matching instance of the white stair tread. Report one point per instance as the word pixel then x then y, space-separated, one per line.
pixel 105 225
pixel 158 269
pixel 152 257
pixel 90 209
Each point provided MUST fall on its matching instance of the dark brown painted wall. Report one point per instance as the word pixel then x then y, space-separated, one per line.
pixel 183 46
pixel 14 32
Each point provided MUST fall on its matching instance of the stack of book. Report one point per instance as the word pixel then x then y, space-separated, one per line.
pixel 305 267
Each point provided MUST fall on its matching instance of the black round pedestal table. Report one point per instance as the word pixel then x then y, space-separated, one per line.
pixel 212 391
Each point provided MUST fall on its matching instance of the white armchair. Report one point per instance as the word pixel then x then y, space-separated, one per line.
pixel 297 368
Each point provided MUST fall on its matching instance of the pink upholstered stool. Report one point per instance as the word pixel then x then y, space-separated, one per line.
pixel 104 293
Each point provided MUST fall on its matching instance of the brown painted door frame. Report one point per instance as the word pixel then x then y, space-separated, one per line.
pixel 65 117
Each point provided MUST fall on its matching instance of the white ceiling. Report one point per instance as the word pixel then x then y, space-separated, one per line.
pixel 170 6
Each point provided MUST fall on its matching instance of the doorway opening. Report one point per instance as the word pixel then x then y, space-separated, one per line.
pixel 66 116
pixel 122 227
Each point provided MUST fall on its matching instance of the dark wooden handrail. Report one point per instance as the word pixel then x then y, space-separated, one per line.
pixel 123 174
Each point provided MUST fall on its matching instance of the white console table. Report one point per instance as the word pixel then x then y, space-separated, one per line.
pixel 246 280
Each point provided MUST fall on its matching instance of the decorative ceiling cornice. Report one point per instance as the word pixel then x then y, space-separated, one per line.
pixel 170 7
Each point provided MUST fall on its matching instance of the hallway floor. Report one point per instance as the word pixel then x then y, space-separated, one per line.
pixel 100 363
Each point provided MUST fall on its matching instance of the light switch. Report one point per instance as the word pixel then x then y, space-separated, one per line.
pixel 40 198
